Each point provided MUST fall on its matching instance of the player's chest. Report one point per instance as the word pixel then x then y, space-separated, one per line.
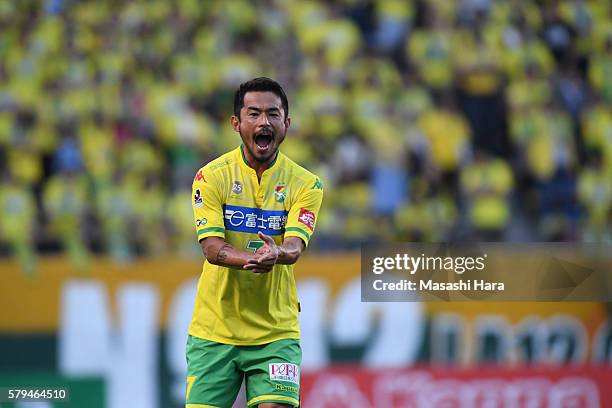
pixel 252 206
pixel 271 193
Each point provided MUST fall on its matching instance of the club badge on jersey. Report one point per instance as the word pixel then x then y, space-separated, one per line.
pixel 280 193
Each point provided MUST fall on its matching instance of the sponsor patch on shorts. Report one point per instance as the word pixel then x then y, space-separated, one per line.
pixel 284 372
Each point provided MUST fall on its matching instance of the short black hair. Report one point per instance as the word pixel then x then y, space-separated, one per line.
pixel 261 84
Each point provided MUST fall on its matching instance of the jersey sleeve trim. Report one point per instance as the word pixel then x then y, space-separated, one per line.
pixel 211 232
pixel 211 229
pixel 289 230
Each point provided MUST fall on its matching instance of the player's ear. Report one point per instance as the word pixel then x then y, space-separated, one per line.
pixel 235 121
pixel 287 122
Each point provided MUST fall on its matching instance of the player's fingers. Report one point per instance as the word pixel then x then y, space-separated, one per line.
pixel 262 262
pixel 265 256
pixel 251 266
pixel 263 250
pixel 256 260
pixel 266 238
pixel 267 263
pixel 256 268
pixel 259 263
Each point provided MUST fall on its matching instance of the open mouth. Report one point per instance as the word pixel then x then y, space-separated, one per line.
pixel 263 140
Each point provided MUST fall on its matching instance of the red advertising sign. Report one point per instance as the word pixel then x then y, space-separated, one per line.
pixel 457 388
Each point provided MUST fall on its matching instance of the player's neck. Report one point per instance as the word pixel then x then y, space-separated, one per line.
pixel 256 165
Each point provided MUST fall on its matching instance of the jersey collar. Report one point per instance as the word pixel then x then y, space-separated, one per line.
pixel 246 163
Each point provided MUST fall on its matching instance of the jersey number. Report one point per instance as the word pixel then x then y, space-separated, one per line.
pixel 255 244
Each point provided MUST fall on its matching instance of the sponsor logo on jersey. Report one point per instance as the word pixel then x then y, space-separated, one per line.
pixel 251 220
pixel 197 198
pixel 201 222
pixel 317 185
pixel 237 187
pixel 199 176
pixel 307 218
pixel 280 193
pixel 285 372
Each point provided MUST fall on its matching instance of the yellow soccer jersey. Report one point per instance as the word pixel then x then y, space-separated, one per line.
pixel 235 306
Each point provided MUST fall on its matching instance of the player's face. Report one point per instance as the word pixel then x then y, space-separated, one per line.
pixel 262 125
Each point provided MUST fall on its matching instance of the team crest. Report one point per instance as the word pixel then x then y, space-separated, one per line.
pixel 280 193
pixel 237 187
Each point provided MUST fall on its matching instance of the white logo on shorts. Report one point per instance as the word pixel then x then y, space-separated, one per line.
pixel 285 372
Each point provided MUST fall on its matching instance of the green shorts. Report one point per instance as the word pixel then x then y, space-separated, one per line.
pixel 215 372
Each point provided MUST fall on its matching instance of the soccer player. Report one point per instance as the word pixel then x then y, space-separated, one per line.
pixel 255 211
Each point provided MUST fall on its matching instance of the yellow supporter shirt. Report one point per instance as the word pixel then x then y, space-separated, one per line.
pixel 448 134
pixel 488 183
pixel 235 306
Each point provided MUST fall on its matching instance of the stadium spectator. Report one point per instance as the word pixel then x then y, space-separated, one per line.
pixel 65 199
pixel 595 195
pixel 115 209
pixel 487 183
pixel 448 139
pixel 17 225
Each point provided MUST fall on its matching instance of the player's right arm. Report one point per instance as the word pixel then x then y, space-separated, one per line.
pixel 207 202
pixel 219 252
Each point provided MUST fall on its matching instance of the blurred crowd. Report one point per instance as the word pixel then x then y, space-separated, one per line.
pixel 428 120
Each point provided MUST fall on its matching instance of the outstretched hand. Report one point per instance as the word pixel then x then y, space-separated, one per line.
pixel 265 257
